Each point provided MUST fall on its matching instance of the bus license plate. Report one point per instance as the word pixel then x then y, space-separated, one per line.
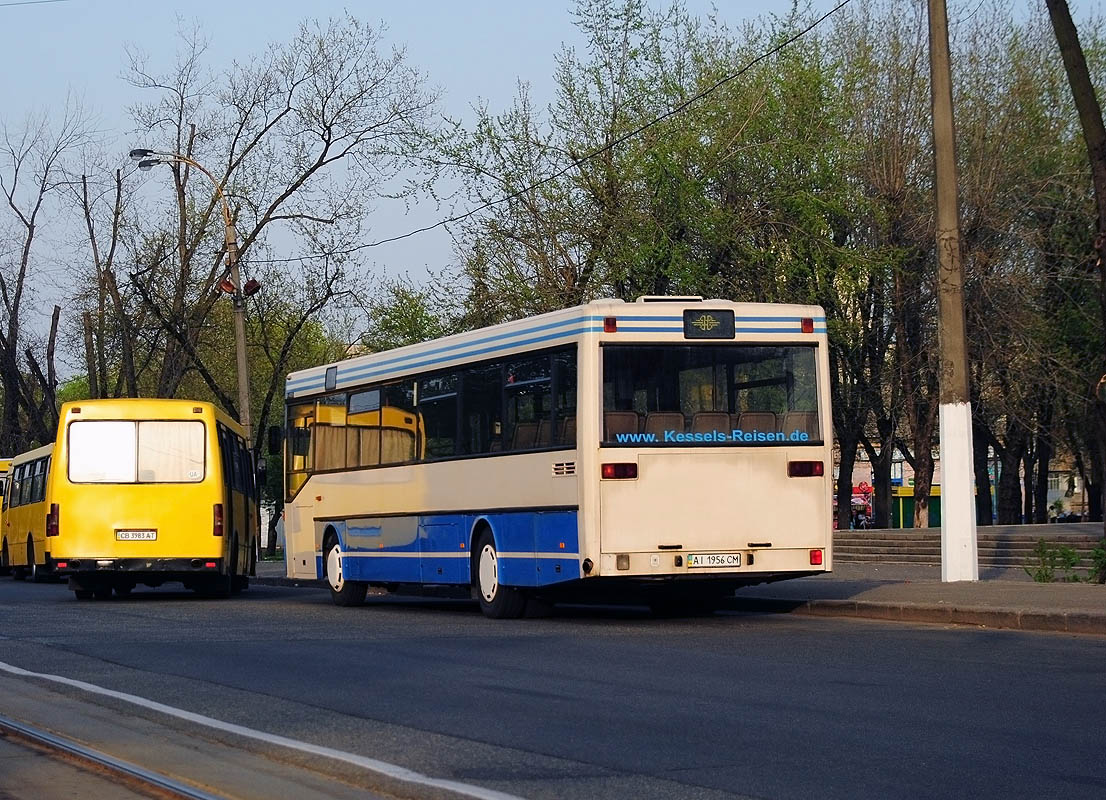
pixel 714 560
pixel 136 536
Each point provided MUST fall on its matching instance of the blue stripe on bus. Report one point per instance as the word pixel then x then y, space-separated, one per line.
pixel 375 370
pixel 535 548
pixel 462 345
pixel 411 361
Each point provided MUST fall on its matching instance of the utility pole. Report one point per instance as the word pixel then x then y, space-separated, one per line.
pixel 959 556
pixel 148 159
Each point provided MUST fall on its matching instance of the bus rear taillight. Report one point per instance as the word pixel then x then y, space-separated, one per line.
pixel 52 520
pixel 815 558
pixel 619 471
pixel 805 469
pixel 217 522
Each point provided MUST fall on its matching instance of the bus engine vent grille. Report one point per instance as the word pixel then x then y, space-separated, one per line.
pixel 564 468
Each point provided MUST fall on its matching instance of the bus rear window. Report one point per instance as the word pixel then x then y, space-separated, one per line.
pixel 709 395
pixel 147 451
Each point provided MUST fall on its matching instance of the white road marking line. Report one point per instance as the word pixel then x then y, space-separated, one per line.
pixel 381 767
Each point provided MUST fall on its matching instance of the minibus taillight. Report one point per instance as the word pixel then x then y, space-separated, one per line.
pixel 815 558
pixel 52 520
pixel 805 469
pixel 217 524
pixel 619 471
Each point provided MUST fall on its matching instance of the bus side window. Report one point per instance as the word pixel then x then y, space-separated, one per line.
pixel 564 397
pixel 529 396
pixel 439 408
pixel 224 457
pixel 22 483
pixel 38 482
pixel 299 453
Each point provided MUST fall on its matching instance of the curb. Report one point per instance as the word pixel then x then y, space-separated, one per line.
pixel 1009 618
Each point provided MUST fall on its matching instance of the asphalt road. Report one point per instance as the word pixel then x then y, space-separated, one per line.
pixel 598 702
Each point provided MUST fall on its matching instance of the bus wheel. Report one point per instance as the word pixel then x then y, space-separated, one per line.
pixel 124 589
pixel 36 573
pixel 240 582
pixel 5 563
pixel 342 592
pixel 102 591
pixel 496 600
pixel 82 594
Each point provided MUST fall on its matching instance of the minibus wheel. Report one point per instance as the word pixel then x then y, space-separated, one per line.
pixel 36 574
pixel 496 600
pixel 5 564
pixel 342 592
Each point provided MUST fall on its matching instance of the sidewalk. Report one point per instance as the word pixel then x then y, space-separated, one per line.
pixel 1002 598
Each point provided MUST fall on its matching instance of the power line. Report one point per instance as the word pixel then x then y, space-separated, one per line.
pixel 585 158
pixel 32 3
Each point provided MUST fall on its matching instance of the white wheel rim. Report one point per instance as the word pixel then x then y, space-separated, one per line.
pixel 489 573
pixel 334 568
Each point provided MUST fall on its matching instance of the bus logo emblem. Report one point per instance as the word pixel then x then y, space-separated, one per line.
pixel 706 323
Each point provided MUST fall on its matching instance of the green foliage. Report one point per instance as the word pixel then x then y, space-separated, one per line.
pixel 402 314
pixel 1047 560
pixel 1098 563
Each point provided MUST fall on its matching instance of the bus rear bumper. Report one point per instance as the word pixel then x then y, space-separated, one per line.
pixel 136 567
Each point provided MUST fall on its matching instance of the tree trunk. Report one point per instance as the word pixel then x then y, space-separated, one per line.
pixel 845 482
pixel 1094 135
pixel 1009 479
pixel 981 447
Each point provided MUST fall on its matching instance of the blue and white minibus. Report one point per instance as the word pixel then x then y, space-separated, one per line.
pixel 669 448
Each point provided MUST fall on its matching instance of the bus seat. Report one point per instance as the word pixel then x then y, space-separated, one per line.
pixel 804 421
pixel 660 421
pixel 524 436
pixel 621 422
pixel 567 433
pixel 757 420
pixel 708 421
pixel 543 438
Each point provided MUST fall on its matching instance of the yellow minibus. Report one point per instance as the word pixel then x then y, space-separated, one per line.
pixel 148 491
pixel 23 546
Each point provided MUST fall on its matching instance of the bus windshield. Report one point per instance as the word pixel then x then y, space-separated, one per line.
pixel 145 451
pixel 708 395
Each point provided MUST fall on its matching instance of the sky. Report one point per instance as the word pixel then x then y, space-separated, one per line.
pixel 473 50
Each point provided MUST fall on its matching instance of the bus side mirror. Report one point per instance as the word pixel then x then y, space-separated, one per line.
pixel 276 434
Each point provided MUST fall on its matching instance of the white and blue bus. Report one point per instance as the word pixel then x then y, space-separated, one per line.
pixel 669 448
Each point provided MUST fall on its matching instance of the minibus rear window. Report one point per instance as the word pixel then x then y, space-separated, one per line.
pixel 146 451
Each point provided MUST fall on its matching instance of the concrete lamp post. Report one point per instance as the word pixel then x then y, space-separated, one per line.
pixel 232 284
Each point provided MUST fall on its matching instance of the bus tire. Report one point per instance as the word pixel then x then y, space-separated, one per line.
pixel 82 594
pixel 496 600
pixel 102 591
pixel 237 582
pixel 5 562
pixel 342 592
pixel 35 571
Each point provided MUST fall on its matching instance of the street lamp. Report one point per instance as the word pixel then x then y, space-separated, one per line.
pixel 148 159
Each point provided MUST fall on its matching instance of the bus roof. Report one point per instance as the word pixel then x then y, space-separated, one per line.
pixel 31 455
pixel 144 408
pixel 656 316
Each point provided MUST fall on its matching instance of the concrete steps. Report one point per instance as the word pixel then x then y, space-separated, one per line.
pixel 1010 546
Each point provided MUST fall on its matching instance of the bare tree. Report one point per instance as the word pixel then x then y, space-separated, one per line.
pixel 32 172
